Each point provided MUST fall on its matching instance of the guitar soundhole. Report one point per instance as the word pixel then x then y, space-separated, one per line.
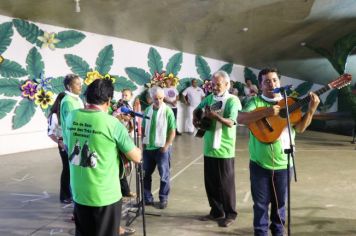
pixel 283 113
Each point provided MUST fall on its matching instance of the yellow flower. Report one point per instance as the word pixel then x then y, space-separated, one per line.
pixel 1 59
pixel 44 98
pixel 107 76
pixel 48 40
pixel 91 76
pixel 175 80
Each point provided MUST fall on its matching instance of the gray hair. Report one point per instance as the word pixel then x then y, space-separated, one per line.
pixel 224 75
pixel 154 90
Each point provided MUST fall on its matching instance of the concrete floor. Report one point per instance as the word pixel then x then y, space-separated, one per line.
pixel 323 199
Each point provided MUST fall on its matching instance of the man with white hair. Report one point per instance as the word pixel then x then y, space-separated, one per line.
pixel 219 151
pixel 159 132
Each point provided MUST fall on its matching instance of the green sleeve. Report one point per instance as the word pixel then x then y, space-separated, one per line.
pixel 171 121
pixel 231 109
pixel 203 103
pixel 67 107
pixel 123 139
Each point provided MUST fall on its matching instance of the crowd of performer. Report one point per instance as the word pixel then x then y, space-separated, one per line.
pixel 91 136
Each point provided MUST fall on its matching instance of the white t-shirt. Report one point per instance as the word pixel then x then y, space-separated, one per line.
pixel 170 95
pixel 53 126
pixel 194 95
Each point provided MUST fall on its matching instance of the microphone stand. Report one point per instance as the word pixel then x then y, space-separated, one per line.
pixel 290 155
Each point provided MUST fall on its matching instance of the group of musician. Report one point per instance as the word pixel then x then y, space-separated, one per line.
pixel 89 138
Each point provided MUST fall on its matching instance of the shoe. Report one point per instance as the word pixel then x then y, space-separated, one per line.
pixel 126 231
pixel 178 133
pixel 163 204
pixel 210 217
pixel 131 194
pixel 149 203
pixel 225 222
pixel 66 201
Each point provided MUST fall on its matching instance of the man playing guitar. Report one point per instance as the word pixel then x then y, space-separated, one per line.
pixel 268 162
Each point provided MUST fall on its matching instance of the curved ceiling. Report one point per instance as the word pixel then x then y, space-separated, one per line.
pixel 255 33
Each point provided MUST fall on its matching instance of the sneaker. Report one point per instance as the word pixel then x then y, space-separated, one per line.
pixel 225 222
pixel 163 204
pixel 126 231
pixel 210 217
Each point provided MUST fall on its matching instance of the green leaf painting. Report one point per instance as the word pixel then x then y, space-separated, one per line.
pixel 227 68
pixel 186 82
pixel 105 60
pixel 10 87
pixel 23 113
pixel 6 33
pixel 35 64
pixel 122 82
pixel 303 88
pixel 57 85
pixel 69 38
pixel 139 76
pixel 154 61
pixel 28 30
pixel 249 75
pixel 11 69
pixel 77 65
pixel 174 64
pixel 203 68
pixel 6 105
pixel 331 98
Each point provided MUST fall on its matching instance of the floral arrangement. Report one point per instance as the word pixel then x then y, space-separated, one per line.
pixel 93 75
pixel 207 87
pixel 158 79
pixel 39 91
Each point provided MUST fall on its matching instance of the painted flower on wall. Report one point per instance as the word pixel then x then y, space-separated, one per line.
pixel 44 98
pixel 48 40
pixel 175 80
pixel 29 89
pixel 1 59
pixel 207 87
pixel 158 79
pixel 94 75
pixel 44 83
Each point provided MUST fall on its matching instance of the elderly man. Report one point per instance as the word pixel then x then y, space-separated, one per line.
pixel 268 161
pixel 192 96
pixel 219 151
pixel 159 133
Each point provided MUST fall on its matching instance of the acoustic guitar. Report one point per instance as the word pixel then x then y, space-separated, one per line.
pixel 269 129
pixel 204 122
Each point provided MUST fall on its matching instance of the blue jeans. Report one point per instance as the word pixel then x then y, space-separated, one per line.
pixel 264 192
pixel 151 158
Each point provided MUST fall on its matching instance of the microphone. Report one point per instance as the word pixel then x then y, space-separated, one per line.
pixel 126 110
pixel 282 89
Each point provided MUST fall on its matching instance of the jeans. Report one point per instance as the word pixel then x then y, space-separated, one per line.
pixel 151 158
pixel 264 192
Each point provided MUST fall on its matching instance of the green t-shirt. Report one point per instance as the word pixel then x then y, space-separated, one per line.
pixel 171 125
pixel 94 139
pixel 68 104
pixel 228 136
pixel 267 155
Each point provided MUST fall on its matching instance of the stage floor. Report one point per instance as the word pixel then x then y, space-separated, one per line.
pixel 323 201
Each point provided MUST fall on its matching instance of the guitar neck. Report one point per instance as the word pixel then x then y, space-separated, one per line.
pixel 306 100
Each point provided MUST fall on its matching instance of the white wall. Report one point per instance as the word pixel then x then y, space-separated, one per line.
pixel 126 54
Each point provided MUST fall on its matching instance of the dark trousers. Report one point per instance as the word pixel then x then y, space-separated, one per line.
pixel 97 221
pixel 219 178
pixel 125 188
pixel 266 191
pixel 151 159
pixel 64 191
